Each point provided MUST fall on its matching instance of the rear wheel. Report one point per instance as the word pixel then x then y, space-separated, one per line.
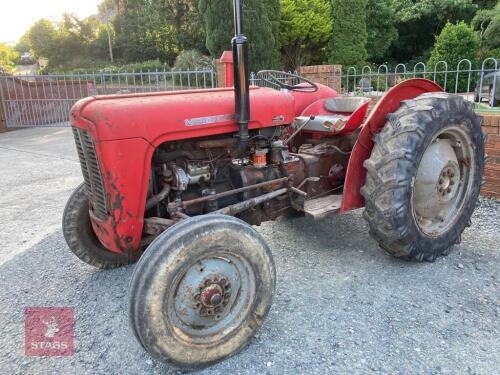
pixel 424 176
pixel 201 290
pixel 81 238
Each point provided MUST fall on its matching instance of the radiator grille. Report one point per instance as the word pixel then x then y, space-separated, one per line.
pixel 94 188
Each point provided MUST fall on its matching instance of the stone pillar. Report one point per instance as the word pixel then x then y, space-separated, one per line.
pixel 329 75
pixel 224 67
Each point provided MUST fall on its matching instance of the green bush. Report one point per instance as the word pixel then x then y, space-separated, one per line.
pixel 191 60
pixel 8 58
pixel 456 42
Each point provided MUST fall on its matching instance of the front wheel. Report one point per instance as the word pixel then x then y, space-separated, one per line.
pixel 201 290
pixel 80 237
pixel 424 176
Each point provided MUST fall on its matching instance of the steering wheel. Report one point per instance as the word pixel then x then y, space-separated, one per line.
pixel 288 81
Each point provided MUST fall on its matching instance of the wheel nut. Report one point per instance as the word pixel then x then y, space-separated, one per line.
pixel 448 190
pixel 216 299
pixel 452 182
pixel 441 181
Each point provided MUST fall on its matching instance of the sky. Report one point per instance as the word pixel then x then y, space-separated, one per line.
pixel 16 16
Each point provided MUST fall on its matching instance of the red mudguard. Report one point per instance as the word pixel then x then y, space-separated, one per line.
pixel 390 102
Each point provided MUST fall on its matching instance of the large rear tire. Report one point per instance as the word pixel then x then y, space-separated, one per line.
pixel 81 238
pixel 201 290
pixel 424 176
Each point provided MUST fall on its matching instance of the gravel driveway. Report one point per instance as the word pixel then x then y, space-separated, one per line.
pixel 342 306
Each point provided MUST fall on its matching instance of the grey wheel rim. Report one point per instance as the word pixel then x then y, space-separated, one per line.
pixel 211 297
pixel 444 181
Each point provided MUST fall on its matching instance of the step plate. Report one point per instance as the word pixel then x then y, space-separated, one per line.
pixel 320 207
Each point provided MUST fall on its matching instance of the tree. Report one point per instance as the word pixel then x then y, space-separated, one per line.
pixel 348 42
pixel 274 14
pixel 217 17
pixel 456 42
pixel 306 27
pixel 419 21
pixel 155 29
pixel 42 38
pixel 487 21
pixel 8 58
pixel 381 28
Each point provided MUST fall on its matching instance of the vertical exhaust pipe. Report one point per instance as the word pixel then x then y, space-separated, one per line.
pixel 241 77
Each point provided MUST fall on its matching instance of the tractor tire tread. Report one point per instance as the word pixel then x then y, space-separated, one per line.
pixel 393 165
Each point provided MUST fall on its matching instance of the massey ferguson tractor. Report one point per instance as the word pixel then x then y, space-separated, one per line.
pixel 174 180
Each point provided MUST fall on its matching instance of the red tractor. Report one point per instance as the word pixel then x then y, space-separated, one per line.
pixel 175 180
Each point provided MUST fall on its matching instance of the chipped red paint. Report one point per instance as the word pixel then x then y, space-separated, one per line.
pixel 389 103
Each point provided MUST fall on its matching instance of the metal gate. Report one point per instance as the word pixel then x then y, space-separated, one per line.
pixel 45 100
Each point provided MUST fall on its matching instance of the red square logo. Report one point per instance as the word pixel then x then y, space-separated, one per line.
pixel 48 331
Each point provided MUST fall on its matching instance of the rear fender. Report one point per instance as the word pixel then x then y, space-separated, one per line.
pixel 390 102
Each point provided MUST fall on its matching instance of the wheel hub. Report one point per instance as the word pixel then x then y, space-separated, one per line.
pixel 213 297
pixel 448 179
pixel 442 178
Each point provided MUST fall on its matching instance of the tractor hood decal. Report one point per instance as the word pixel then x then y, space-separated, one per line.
pixel 209 120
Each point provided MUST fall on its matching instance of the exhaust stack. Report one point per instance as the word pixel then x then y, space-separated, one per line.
pixel 241 76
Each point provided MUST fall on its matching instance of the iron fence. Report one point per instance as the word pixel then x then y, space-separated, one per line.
pixel 475 82
pixel 45 100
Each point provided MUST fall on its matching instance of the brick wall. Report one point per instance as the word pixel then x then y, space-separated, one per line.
pixel 328 75
pixel 491 126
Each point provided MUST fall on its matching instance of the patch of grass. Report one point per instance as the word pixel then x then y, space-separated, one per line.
pixel 485 108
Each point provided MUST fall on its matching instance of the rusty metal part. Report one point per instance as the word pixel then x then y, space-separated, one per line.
pixel 180 215
pixel 227 193
pixel 298 191
pixel 305 121
pixel 306 180
pixel 155 199
pixel 249 203
pixel 216 143
pixel 213 297
pixel 156 225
